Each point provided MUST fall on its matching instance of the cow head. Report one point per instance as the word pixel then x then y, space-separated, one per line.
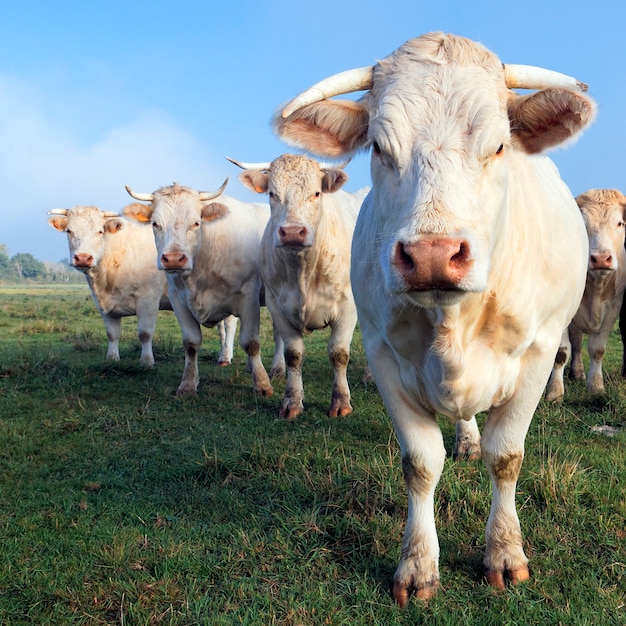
pixel 446 132
pixel 87 228
pixel 296 186
pixel 604 213
pixel 177 214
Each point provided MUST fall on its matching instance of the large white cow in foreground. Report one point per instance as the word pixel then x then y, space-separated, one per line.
pixel 118 258
pixel 305 265
pixel 468 260
pixel 604 212
pixel 210 252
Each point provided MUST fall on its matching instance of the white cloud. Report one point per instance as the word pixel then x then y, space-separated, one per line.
pixel 43 166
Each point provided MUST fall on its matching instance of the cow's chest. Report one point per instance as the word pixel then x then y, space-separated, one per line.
pixel 457 373
pixel 305 309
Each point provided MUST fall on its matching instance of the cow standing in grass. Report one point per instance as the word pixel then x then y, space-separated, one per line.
pixel 305 265
pixel 209 250
pixel 604 212
pixel 468 260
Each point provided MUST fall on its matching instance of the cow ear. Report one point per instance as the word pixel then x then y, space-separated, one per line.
pixel 549 117
pixel 333 180
pixel 214 211
pixel 255 180
pixel 329 128
pixel 138 212
pixel 59 222
pixel 113 225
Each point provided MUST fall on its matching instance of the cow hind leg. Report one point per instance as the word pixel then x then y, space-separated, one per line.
pixel 555 389
pixel 467 443
pixel 227 329
pixel 577 368
pixel 113 326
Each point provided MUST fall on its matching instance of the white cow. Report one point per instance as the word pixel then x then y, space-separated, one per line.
pixel 305 265
pixel 209 251
pixel 468 260
pixel 118 258
pixel 604 212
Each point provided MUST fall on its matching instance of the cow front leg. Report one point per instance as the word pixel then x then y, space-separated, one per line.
pixel 293 400
pixel 423 456
pixel 113 327
pixel 339 355
pixel 249 341
pixel 192 340
pixel 503 452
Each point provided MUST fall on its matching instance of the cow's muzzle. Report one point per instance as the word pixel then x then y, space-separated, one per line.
pixel 432 263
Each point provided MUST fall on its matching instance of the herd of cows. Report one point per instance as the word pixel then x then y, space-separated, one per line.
pixel 468 264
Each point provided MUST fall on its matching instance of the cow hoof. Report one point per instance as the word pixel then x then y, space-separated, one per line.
pixel 496 578
pixel 339 411
pixel 290 412
pixel 223 363
pixel 401 593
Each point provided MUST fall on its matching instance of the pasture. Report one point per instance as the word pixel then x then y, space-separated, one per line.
pixel 122 504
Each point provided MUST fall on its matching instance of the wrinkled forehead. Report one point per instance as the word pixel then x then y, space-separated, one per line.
pixel 176 202
pixel 295 173
pixel 85 218
pixel 438 88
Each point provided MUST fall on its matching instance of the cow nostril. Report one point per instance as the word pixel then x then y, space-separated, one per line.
pixel 462 256
pixel 402 258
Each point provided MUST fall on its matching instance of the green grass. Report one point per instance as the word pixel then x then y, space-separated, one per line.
pixel 122 504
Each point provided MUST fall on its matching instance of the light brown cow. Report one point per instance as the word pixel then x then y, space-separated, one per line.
pixel 305 265
pixel 604 213
pixel 461 285
pixel 209 250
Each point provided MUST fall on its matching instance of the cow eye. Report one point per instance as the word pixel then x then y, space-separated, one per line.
pixel 620 224
pixel 271 195
pixel 500 150
pixel 156 226
pixel 376 147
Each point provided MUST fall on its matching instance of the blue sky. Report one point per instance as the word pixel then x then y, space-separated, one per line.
pixel 96 95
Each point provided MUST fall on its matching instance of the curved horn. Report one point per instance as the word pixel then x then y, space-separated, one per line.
pixel 58 212
pixel 110 214
pixel 250 166
pixel 530 77
pixel 210 195
pixel 144 197
pixel 357 79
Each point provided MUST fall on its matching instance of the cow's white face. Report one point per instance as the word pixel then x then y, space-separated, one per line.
pixel 86 228
pixel 295 185
pixel 177 216
pixel 447 137
pixel 604 212
pixel 439 171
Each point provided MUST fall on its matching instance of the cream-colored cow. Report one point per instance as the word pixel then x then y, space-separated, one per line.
pixel 604 213
pixel 461 285
pixel 305 265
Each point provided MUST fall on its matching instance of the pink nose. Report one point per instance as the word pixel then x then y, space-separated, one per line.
pixel 432 263
pixel 292 234
pixel 601 261
pixel 174 260
pixel 82 259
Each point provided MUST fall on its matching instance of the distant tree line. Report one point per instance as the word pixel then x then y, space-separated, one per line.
pixel 23 267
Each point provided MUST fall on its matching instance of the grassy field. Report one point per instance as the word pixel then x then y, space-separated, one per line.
pixel 121 504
